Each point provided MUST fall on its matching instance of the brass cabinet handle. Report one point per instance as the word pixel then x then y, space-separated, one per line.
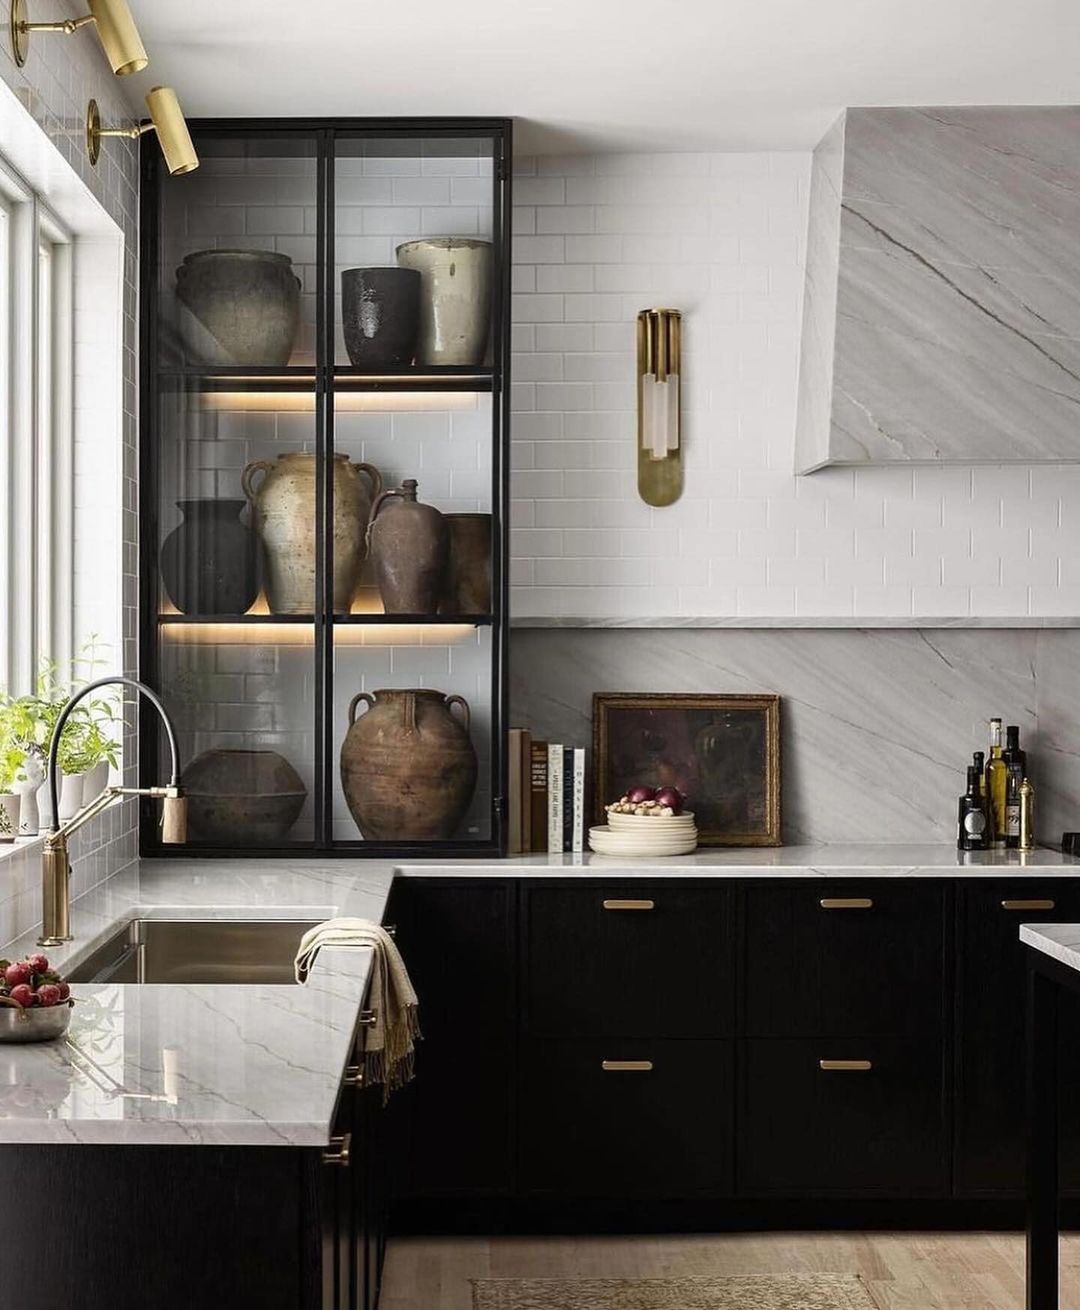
pixel 629 905
pixel 1036 904
pixel 846 903
pixel 354 1076
pixel 368 1018
pixel 845 1066
pixel 626 1066
pixel 338 1151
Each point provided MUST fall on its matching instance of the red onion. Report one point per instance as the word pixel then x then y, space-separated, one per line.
pixel 671 797
pixel 638 795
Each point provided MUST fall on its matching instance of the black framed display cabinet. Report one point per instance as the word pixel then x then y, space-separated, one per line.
pixel 325 320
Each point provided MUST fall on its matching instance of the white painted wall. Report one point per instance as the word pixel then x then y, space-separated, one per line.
pixel 722 237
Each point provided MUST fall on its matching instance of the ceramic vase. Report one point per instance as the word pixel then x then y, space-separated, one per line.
pixel 242 797
pixel 27 789
pixel 284 517
pixel 238 306
pixel 455 297
pixel 467 585
pixel 408 767
pixel 380 315
pixel 72 787
pixel 407 542
pixel 9 816
pixel 209 563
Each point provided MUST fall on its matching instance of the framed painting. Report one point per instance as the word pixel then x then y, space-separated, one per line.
pixel 721 752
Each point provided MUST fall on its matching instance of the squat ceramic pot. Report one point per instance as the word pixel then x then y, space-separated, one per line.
pixel 408 767
pixel 407 542
pixel 380 313
pixel 284 517
pixel 242 306
pixel 455 299
pixel 242 797
pixel 10 804
pixel 467 586
pixel 209 563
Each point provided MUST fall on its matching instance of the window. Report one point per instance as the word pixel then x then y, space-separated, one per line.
pixel 36 468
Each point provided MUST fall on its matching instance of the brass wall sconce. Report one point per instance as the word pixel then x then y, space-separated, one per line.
pixel 659 442
pixel 115 28
pixel 166 118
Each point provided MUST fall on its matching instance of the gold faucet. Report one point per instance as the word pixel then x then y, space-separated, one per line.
pixel 55 863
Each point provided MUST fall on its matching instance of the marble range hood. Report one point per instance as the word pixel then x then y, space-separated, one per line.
pixel 941 320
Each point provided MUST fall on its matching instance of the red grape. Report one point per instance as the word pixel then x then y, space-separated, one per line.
pixel 16 974
pixel 671 797
pixel 638 795
pixel 48 994
pixel 22 995
pixel 38 963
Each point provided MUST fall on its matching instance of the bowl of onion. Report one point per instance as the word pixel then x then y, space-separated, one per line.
pixel 35 1002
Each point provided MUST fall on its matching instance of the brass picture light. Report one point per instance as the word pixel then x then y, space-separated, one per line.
pixel 166 119
pixel 116 31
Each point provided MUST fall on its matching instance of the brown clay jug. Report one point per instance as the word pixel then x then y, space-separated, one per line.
pixel 408 767
pixel 408 543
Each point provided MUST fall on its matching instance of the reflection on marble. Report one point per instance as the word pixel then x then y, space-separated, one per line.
pixel 957 309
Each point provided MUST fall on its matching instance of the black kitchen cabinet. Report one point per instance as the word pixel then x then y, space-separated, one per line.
pixel 990 999
pixel 452 1126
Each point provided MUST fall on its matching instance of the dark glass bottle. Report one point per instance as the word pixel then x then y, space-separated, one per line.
pixel 978 761
pixel 1016 763
pixel 971 816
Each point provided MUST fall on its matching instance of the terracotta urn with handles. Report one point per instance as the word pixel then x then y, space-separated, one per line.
pixel 283 510
pixel 408 767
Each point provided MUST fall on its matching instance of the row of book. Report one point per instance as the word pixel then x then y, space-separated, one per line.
pixel 546 795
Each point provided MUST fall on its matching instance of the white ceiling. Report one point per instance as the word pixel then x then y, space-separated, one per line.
pixel 612 74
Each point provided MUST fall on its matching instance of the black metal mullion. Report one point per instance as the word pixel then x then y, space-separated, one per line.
pixel 326 320
pixel 323 499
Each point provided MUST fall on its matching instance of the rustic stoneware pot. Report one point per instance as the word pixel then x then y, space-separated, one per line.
pixel 243 306
pixel 407 542
pixel 284 517
pixel 209 563
pixel 408 767
pixel 380 315
pixel 241 797
pixel 467 584
pixel 455 299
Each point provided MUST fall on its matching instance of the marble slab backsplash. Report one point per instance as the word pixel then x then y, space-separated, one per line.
pixel 877 725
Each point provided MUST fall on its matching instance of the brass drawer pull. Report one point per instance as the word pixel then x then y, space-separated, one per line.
pixel 1043 904
pixel 846 903
pixel 626 1066
pixel 354 1076
pixel 368 1018
pixel 845 1066
pixel 629 905
pixel 338 1151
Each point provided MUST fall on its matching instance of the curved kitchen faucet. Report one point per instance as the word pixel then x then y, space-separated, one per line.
pixel 55 863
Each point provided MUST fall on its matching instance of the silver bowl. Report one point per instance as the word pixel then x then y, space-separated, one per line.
pixel 34 1025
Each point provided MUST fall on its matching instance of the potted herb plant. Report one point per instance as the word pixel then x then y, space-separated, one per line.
pixel 11 758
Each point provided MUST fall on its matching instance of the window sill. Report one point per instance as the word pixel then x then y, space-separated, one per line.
pixel 9 850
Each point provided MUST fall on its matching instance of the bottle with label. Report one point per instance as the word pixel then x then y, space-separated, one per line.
pixel 978 760
pixel 1016 763
pixel 971 817
pixel 1027 816
pixel 997 788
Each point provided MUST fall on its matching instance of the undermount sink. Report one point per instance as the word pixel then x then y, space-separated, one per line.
pixel 221 951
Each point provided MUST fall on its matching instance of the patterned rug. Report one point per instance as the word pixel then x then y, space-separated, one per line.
pixel 753 1292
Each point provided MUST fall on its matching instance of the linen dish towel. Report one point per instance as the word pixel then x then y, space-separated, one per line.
pixel 389 1043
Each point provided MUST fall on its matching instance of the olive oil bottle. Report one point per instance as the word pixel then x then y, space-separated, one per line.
pixel 997 789
pixel 971 817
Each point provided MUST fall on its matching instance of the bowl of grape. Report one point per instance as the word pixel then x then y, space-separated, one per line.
pixel 35 1002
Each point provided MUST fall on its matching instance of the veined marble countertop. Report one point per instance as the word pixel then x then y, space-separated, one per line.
pixel 262 1065
pixel 1059 940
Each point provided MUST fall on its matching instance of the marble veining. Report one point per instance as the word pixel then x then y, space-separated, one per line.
pixel 1061 941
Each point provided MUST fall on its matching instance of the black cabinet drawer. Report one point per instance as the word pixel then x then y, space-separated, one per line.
pixel 628 960
pixel 621 1118
pixel 840 958
pixel 843 1129
pixel 991 992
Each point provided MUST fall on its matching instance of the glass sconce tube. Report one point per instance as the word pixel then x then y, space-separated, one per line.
pixel 659 437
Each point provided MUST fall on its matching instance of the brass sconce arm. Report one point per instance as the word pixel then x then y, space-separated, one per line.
pixel 166 119
pixel 115 28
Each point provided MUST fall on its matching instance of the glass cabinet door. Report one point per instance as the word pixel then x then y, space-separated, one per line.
pixel 324 483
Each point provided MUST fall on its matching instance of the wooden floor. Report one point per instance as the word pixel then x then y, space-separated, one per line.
pixel 904 1271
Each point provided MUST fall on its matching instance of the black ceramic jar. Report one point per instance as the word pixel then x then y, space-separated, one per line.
pixel 380 310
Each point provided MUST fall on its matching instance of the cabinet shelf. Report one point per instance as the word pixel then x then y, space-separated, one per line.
pixel 302 379
pixel 350 620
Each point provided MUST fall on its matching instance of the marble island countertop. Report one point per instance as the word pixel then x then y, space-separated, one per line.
pixel 1061 941
pixel 262 1065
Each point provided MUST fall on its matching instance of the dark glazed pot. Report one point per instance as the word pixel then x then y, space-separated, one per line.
pixel 467 585
pixel 209 564
pixel 380 312
pixel 408 767
pixel 243 306
pixel 238 798
pixel 408 543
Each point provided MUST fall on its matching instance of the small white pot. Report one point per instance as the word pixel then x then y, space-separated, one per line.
pixel 71 795
pixel 45 811
pixel 96 780
pixel 9 816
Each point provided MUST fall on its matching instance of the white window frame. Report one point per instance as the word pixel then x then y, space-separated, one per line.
pixel 36 455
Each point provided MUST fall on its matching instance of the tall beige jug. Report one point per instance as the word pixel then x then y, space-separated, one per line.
pixel 283 511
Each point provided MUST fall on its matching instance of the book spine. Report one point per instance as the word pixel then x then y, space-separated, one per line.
pixel 568 801
pixel 525 765
pixel 513 790
pixel 538 795
pixel 555 799
pixel 578 843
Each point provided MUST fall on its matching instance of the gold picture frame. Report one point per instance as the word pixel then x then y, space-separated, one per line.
pixel 722 752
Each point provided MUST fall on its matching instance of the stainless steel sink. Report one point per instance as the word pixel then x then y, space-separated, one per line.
pixel 197 951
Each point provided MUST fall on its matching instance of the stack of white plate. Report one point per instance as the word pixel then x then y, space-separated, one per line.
pixel 638 834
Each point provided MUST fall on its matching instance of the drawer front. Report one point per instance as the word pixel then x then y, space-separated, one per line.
pixel 843 1117
pixel 839 958
pixel 990 1150
pixel 626 1118
pixel 628 960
